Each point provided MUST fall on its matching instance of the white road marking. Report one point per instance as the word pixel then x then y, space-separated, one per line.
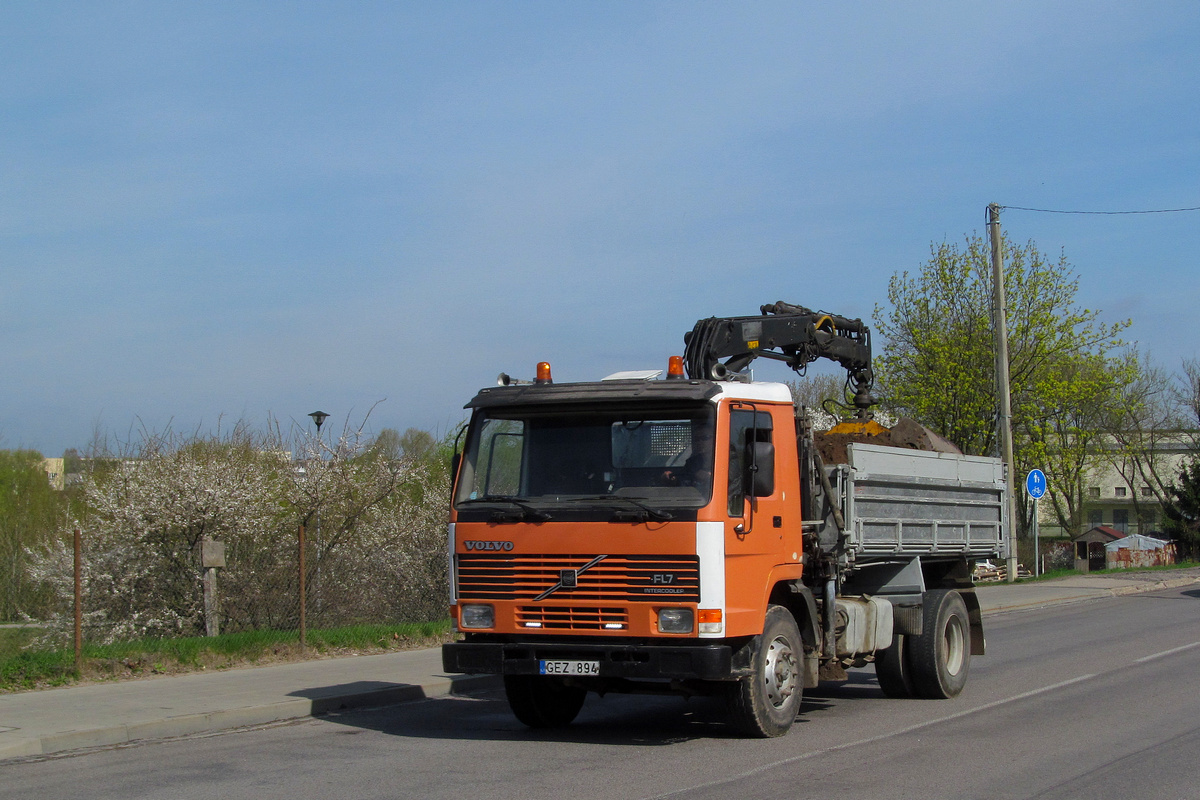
pixel 881 737
pixel 1170 652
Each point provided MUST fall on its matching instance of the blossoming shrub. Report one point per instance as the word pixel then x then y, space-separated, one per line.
pixel 374 524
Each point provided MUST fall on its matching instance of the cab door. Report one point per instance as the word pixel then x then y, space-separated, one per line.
pixel 754 534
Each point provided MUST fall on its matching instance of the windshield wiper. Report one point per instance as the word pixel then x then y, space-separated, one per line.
pixel 650 511
pixel 527 511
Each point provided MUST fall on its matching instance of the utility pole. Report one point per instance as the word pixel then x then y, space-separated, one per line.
pixel 1000 327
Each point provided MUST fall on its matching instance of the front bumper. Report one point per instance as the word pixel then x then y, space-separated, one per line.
pixel 666 662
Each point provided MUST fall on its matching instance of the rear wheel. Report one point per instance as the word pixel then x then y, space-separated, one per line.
pixel 543 702
pixel 892 672
pixel 939 659
pixel 766 704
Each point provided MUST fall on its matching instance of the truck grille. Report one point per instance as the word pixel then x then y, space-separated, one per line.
pixel 574 619
pixel 487 576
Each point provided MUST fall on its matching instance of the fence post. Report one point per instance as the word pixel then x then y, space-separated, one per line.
pixel 303 643
pixel 78 600
pixel 212 558
pixel 212 624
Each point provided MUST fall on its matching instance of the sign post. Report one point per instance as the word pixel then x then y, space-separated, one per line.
pixel 1035 486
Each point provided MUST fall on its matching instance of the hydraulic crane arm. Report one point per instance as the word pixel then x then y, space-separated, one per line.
pixel 793 334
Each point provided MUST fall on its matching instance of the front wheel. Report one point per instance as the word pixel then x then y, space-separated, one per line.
pixel 543 702
pixel 765 704
pixel 939 659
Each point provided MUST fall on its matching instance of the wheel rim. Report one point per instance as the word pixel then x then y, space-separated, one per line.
pixel 954 645
pixel 780 671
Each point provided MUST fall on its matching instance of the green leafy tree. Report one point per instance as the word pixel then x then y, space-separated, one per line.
pixel 387 444
pixel 1181 514
pixel 72 462
pixel 939 365
pixel 414 444
pixel 1068 430
pixel 30 514
pixel 417 444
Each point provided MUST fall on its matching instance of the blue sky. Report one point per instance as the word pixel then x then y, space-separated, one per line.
pixel 230 210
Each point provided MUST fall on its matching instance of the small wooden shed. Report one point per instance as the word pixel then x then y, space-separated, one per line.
pixel 1089 547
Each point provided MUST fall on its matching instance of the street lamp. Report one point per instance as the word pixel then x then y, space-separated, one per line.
pixel 319 417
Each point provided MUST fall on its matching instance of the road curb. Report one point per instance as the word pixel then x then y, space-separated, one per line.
pixel 233 718
pixel 1094 594
pixel 1165 584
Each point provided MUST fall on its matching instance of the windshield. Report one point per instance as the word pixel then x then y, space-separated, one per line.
pixel 660 456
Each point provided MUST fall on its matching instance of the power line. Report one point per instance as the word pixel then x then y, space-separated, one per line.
pixel 1107 213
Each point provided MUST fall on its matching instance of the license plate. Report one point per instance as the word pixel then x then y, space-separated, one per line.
pixel 569 667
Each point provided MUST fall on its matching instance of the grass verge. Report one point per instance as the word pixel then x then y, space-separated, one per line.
pixel 1064 573
pixel 24 666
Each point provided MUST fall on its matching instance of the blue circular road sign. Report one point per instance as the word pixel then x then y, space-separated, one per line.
pixel 1035 483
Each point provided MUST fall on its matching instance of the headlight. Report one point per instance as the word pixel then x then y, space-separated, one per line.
pixel 675 620
pixel 476 616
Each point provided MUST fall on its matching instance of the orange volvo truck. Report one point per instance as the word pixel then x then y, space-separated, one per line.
pixel 691 534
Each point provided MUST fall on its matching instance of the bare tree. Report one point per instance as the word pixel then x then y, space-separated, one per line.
pixel 1187 392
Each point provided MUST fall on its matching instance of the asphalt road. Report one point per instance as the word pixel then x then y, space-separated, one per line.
pixel 1094 700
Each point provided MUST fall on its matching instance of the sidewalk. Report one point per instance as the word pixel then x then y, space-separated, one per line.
pixel 58 720
pixel 997 597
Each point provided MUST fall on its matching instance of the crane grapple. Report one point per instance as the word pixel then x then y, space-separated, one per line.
pixel 783 332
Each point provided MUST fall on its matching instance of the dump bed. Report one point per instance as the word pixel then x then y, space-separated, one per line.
pixel 898 501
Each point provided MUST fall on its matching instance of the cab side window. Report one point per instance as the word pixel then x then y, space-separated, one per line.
pixel 744 427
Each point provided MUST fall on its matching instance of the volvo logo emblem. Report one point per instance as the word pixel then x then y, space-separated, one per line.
pixel 569 578
pixel 472 544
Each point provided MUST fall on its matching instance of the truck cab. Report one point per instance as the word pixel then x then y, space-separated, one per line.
pixel 650 476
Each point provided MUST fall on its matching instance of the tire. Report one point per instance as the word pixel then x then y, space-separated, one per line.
pixel 542 702
pixel 939 659
pixel 765 705
pixel 892 671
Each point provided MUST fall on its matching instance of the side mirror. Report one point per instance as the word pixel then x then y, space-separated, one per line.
pixel 760 469
pixel 455 460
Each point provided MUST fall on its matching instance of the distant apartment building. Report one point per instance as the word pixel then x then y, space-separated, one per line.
pixel 1117 495
pixel 1128 509
pixel 56 472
